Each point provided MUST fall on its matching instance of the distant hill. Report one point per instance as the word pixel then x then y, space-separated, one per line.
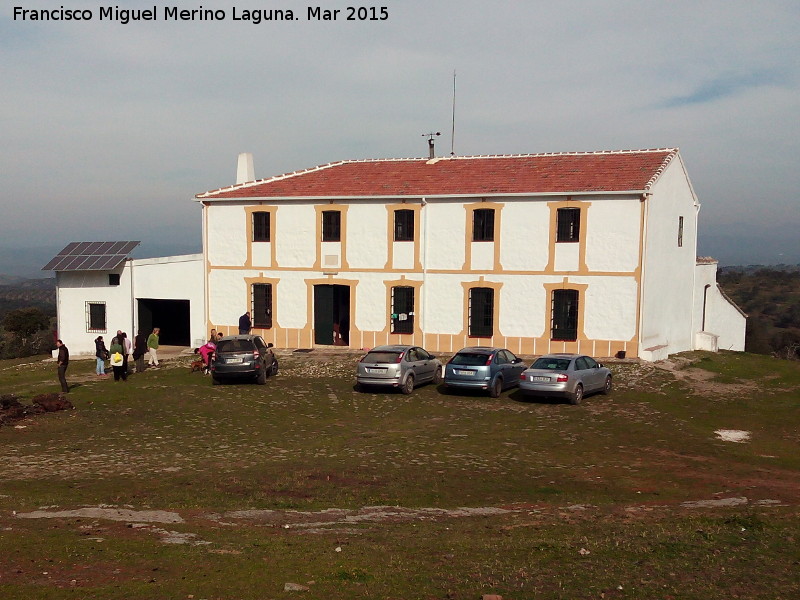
pixel 19 292
pixel 771 298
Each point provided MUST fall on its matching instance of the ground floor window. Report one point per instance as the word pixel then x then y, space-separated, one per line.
pixel 261 309
pixel 403 309
pixel 96 317
pixel 564 315
pixel 481 312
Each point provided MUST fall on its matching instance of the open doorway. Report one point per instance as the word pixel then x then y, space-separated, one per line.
pixel 172 316
pixel 332 315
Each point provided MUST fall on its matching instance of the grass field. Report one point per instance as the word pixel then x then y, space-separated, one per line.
pixel 167 487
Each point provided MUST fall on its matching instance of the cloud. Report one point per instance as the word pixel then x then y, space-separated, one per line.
pixel 724 87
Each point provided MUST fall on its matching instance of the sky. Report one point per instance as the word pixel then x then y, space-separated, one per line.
pixel 108 130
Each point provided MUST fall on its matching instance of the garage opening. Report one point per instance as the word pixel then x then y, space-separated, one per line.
pixel 172 316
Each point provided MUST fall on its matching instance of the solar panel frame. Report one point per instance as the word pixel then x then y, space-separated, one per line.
pixel 91 256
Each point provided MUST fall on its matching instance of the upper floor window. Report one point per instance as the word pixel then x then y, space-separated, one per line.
pixel 95 317
pixel 564 315
pixel 568 226
pixel 402 309
pixel 331 226
pixel 480 320
pixel 261 229
pixel 404 225
pixel 680 232
pixel 483 225
pixel 113 278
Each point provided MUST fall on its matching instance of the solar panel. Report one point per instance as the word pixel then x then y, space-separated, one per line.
pixel 90 256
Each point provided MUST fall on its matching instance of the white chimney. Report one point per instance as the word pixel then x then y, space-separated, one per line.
pixel 244 170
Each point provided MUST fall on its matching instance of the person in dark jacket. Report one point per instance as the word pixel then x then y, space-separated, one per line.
pixel 139 350
pixel 63 363
pixel 245 324
pixel 101 353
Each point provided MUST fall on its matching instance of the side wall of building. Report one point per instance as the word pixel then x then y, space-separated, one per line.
pixel 716 314
pixel 669 260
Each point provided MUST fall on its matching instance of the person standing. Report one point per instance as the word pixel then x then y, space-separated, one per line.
pixel 152 348
pixel 126 350
pixel 101 354
pixel 63 363
pixel 139 350
pixel 117 350
pixel 245 324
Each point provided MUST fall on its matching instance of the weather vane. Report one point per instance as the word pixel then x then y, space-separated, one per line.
pixel 430 137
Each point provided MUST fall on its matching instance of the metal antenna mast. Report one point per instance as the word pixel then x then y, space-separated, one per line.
pixel 453 130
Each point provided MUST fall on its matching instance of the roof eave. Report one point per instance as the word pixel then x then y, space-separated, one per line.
pixel 204 198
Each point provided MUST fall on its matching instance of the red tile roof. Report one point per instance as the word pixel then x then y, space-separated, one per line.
pixel 613 171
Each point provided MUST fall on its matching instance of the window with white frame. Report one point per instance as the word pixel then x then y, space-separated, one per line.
pixel 95 317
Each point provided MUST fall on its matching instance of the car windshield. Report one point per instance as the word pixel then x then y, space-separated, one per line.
pixel 551 364
pixel 234 346
pixel 469 359
pixel 382 357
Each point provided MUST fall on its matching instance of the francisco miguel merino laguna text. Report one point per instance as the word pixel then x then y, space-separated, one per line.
pixel 174 13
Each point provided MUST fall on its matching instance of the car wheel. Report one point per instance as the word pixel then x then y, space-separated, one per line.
pixel 261 377
pixel 496 389
pixel 273 370
pixel 437 377
pixel 607 387
pixel 577 395
pixel 215 381
pixel 408 385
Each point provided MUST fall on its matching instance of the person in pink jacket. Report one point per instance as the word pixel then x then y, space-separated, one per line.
pixel 206 352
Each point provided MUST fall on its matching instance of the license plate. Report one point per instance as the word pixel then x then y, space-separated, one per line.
pixel 468 373
pixel 540 378
pixel 376 371
pixel 234 360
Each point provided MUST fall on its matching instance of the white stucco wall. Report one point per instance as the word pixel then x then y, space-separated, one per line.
pixel 227 234
pixel 612 235
pixel 165 278
pixel 446 224
pixel 722 318
pixel 525 234
pixel 295 235
pixel 668 276
pixel 366 236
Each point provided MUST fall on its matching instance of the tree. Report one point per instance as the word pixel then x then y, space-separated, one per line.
pixel 24 322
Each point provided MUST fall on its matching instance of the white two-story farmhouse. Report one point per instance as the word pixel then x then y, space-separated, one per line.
pixel 591 252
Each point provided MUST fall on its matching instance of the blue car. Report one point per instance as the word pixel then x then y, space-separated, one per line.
pixel 483 368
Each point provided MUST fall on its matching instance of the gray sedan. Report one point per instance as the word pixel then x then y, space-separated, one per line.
pixel 483 368
pixel 568 376
pixel 398 366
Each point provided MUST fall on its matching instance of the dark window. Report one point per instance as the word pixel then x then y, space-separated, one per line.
pixel 680 232
pixel 403 309
pixel 381 358
pixel 261 232
pixel 483 225
pixel 581 364
pixel 404 226
pixel 113 279
pixel 564 315
pixel 481 312
pixel 262 305
pixel 568 226
pixel 331 226
pixel 95 317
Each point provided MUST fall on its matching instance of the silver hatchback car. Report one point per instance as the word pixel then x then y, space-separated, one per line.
pixel 398 366
pixel 568 376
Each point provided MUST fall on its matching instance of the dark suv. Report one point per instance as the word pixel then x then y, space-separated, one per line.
pixel 243 357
